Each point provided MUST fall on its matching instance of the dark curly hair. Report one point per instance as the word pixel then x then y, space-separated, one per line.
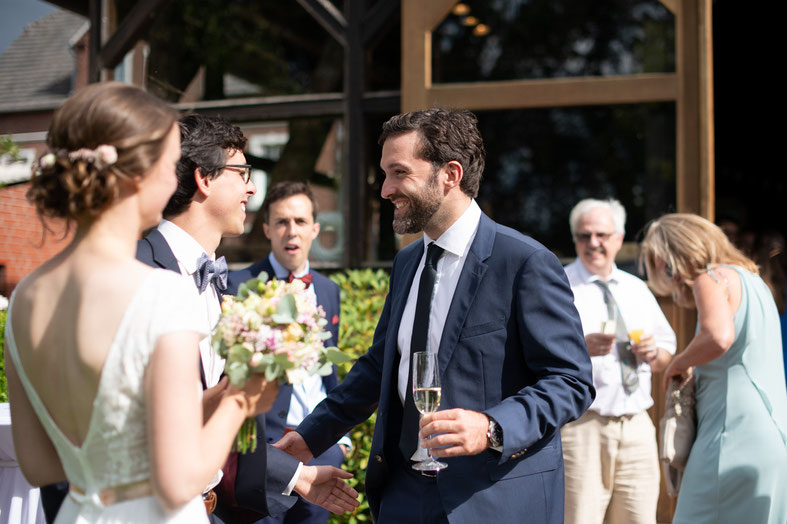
pixel 134 122
pixel 205 143
pixel 444 135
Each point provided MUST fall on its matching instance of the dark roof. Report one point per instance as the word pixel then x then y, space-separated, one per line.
pixel 37 69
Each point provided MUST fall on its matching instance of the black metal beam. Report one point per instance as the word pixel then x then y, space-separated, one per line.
pixel 354 185
pixel 129 32
pixel 270 108
pixel 382 102
pixel 79 7
pixel 326 14
pixel 94 42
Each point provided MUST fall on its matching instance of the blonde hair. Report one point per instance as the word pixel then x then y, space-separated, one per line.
pixel 67 184
pixel 687 244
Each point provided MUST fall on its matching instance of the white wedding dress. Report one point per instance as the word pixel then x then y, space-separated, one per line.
pixel 115 450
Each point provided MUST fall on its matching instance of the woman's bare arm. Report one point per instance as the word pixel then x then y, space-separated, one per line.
pixel 185 452
pixel 35 453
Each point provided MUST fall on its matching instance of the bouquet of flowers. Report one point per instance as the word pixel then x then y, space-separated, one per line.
pixel 272 327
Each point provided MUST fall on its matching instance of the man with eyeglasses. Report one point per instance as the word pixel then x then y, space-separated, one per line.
pixel 209 203
pixel 610 453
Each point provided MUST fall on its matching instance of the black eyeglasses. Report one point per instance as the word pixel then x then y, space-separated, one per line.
pixel 585 237
pixel 245 171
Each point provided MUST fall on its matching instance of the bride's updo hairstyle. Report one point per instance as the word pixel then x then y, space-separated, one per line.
pixel 104 133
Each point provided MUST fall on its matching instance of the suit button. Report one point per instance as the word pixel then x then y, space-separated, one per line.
pixel 378 458
pixel 270 439
pixel 282 414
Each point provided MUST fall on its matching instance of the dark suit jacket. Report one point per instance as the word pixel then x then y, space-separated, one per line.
pixel 328 297
pixel 512 347
pixel 263 475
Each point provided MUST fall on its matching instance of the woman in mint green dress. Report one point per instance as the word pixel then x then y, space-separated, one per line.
pixel 737 469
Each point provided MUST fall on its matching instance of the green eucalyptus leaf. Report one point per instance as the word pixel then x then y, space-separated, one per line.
pixel 325 370
pixel 286 310
pixel 237 373
pixel 336 356
pixel 239 353
pixel 272 372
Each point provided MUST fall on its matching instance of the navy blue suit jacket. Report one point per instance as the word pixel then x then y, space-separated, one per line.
pixel 263 475
pixel 512 347
pixel 328 297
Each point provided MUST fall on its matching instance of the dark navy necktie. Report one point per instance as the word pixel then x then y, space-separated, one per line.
pixel 408 440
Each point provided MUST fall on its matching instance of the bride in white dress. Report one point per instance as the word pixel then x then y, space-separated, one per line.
pixel 102 350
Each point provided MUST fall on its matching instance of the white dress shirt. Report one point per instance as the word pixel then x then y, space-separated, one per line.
pixel 456 241
pixel 311 392
pixel 188 251
pixel 639 310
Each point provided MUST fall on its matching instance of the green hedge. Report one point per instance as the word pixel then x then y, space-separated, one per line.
pixel 363 295
pixel 3 385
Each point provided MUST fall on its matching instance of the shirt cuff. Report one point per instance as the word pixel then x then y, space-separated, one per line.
pixel 345 441
pixel 288 490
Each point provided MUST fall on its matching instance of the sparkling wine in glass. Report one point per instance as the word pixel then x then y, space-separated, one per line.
pixel 426 396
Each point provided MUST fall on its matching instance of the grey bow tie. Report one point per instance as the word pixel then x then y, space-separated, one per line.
pixel 211 271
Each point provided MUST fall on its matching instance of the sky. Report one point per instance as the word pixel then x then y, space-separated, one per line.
pixel 15 15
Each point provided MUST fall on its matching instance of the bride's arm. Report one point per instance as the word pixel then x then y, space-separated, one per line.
pixel 35 453
pixel 185 452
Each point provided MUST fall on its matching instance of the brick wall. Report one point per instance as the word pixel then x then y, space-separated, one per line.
pixel 22 247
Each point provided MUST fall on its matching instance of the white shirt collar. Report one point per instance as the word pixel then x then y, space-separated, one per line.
pixel 282 272
pixel 185 248
pixel 457 238
pixel 587 277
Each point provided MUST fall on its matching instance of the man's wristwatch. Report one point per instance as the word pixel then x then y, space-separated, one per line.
pixel 494 435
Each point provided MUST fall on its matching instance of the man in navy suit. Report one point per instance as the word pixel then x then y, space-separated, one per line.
pixel 289 221
pixel 210 203
pixel 501 317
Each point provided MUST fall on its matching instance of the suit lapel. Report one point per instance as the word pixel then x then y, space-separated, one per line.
pixel 466 289
pixel 165 258
pixel 162 253
pixel 402 291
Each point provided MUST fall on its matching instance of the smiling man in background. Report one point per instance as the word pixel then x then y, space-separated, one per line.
pixel 612 472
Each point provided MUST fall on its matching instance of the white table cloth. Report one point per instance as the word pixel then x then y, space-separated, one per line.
pixel 20 503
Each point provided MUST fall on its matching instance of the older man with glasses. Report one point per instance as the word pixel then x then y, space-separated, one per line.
pixel 610 454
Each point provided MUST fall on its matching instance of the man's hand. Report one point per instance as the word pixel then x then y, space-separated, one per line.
pixel 293 444
pixel 646 351
pixel 599 344
pixel 212 396
pixel 323 485
pixel 463 431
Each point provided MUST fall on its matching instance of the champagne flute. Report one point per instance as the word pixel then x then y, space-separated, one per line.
pixel 426 396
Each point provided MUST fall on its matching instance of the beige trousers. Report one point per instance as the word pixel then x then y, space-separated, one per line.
pixel 612 469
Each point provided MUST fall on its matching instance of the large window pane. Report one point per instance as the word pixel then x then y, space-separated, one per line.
pixel 541 162
pixel 216 49
pixel 527 39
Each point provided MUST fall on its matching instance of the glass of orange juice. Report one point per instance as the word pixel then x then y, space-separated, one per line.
pixel 635 335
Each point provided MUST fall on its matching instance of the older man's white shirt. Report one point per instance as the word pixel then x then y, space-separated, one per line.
pixel 639 310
